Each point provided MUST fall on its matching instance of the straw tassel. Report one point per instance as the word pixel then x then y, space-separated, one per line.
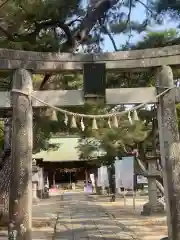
pixel 73 122
pixel 94 124
pixel 135 116
pixel 82 125
pixel 115 121
pixel 129 118
pixel 66 119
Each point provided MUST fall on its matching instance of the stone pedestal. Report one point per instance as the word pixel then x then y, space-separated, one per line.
pixel 149 209
pixel 73 186
pixel 153 206
pixel 34 181
pixel 34 192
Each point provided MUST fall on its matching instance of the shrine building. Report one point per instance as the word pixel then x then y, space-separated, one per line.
pixel 61 164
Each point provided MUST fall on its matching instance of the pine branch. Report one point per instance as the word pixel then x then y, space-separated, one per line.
pixel 94 14
pixel 7 34
pixel 110 37
pixel 147 8
pixel 3 3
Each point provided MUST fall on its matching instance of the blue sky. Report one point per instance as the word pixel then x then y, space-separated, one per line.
pixel 138 14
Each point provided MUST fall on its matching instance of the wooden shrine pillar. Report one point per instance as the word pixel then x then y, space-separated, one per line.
pixel 170 150
pixel 20 204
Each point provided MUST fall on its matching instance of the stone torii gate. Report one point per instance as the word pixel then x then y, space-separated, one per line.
pixel 24 63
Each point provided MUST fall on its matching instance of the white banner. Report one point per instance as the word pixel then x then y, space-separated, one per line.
pixel 141 179
pixel 124 171
pixel 103 180
pixel 127 172
pixel 118 179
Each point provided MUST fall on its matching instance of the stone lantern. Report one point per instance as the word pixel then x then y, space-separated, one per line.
pixel 153 206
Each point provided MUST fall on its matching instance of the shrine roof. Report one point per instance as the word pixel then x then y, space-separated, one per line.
pixel 66 150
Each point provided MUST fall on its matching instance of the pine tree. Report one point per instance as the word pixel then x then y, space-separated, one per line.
pixel 61 26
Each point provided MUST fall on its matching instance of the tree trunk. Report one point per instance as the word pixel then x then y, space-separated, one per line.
pixel 97 189
pixel 96 12
pixel 112 186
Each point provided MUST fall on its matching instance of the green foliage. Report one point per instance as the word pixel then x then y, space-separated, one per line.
pixel 57 25
pixel 30 25
pixel 157 39
pixel 71 81
pixel 162 6
pixel 61 81
pixel 122 21
pixel 106 143
pixel 116 142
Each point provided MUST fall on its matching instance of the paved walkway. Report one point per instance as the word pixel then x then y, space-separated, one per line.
pixel 76 216
pixel 142 227
pixel 81 218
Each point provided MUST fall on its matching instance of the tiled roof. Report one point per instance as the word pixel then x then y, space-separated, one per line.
pixel 67 150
